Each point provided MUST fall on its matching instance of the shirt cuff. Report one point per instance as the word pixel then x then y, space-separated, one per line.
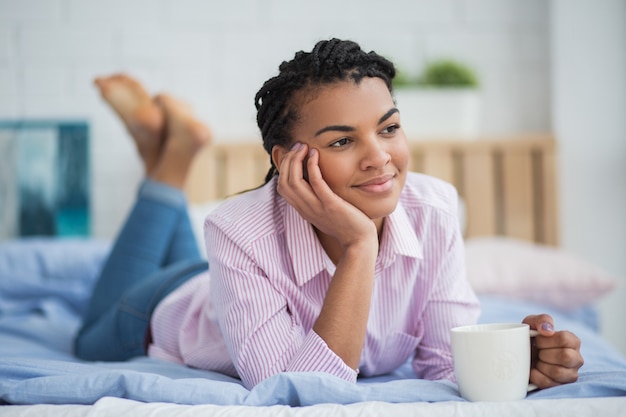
pixel 316 356
pixel 156 352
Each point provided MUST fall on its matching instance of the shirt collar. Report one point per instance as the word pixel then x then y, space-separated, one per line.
pixel 305 249
pixel 399 238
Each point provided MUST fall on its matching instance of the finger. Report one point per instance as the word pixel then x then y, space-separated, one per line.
pixel 541 380
pixel 291 183
pixel 292 160
pixel 320 187
pixel 312 166
pixel 560 339
pixel 568 358
pixel 557 374
pixel 543 323
pixel 291 177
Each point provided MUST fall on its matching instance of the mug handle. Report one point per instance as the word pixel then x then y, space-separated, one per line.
pixel 532 387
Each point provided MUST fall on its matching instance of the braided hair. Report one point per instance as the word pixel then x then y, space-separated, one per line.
pixel 329 62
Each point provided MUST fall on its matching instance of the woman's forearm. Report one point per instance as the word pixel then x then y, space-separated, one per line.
pixel 342 322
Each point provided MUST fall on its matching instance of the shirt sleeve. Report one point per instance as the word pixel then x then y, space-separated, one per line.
pixel 261 332
pixel 451 301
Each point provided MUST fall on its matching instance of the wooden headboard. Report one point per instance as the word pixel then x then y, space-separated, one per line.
pixel 508 184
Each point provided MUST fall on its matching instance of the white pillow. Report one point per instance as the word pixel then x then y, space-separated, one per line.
pixel 532 272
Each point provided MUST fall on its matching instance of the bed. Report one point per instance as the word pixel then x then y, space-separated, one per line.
pixel 509 195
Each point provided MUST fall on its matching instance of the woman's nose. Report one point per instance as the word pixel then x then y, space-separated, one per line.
pixel 374 155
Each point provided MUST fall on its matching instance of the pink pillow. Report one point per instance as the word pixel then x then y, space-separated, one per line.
pixel 532 272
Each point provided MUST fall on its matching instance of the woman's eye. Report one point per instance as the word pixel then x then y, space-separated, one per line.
pixel 391 129
pixel 340 142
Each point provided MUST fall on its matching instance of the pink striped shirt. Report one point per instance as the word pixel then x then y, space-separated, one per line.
pixel 254 317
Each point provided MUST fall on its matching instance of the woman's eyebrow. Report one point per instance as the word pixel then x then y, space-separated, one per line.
pixel 337 128
pixel 388 115
pixel 344 128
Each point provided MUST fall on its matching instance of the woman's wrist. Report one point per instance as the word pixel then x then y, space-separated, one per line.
pixel 361 249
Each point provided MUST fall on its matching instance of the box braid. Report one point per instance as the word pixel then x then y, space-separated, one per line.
pixel 329 62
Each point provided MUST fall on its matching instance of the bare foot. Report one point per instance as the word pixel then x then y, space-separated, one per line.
pixel 185 136
pixel 143 118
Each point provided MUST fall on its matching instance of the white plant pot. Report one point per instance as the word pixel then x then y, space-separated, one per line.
pixel 439 112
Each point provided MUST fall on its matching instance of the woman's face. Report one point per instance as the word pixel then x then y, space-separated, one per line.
pixel 363 152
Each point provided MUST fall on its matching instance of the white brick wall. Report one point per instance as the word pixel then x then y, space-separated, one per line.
pixel 217 54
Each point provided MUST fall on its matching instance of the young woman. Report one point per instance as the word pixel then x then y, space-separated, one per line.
pixel 343 262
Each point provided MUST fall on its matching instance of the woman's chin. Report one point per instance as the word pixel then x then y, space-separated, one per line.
pixel 380 212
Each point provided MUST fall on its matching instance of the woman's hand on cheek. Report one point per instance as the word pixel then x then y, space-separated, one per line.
pixel 315 200
pixel 556 356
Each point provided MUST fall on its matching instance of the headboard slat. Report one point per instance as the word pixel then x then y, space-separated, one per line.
pixel 479 192
pixel 203 181
pixel 549 208
pixel 239 172
pixel 439 163
pixel 518 193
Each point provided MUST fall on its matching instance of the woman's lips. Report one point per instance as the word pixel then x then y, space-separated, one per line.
pixel 381 184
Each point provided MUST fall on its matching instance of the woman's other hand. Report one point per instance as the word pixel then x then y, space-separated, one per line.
pixel 556 356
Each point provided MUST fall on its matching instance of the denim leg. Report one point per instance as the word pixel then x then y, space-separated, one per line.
pixel 119 333
pixel 143 245
pixel 183 243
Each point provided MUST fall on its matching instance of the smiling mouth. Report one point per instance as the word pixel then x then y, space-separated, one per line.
pixel 381 184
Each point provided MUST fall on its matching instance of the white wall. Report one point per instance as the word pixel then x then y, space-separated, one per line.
pixel 589 108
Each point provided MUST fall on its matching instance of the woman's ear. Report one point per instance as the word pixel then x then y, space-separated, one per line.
pixel 278 153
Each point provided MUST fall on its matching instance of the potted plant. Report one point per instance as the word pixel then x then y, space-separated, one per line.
pixel 444 101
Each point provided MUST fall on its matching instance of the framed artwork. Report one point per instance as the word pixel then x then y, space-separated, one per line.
pixel 44 178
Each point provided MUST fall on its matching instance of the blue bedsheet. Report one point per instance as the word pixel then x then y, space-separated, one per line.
pixel 44 286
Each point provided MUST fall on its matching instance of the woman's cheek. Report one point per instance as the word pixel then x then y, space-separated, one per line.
pixel 331 169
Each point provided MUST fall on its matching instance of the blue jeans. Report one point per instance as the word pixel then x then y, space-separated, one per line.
pixel 154 254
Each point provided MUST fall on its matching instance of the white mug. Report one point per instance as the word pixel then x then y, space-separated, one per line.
pixel 492 361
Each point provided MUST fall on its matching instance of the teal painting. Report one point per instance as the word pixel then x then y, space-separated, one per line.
pixel 44 178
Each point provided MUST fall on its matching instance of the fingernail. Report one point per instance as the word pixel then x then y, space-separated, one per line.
pixel 296 146
pixel 547 327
